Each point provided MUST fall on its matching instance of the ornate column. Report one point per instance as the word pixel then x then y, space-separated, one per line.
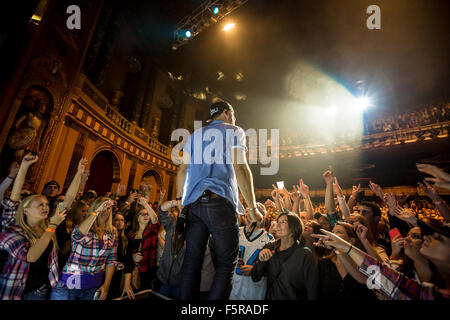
pixel 103 62
pixel 155 127
pixel 97 40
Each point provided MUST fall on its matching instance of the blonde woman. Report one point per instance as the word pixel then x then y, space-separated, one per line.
pixel 93 257
pixel 32 264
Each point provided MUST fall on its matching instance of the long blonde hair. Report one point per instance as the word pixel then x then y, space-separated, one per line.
pixel 94 206
pixel 21 220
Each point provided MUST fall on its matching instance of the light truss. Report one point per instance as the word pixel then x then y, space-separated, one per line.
pixel 203 17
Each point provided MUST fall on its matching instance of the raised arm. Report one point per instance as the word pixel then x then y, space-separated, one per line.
pixel 329 201
pixel 394 284
pixel 37 249
pixel 304 191
pixel 295 197
pixel 341 198
pixel 181 175
pixel 352 199
pixel 277 199
pixel 74 186
pixel 245 182
pixel 12 173
pixel 87 223
pixel 432 193
pixel 153 217
pixel 27 161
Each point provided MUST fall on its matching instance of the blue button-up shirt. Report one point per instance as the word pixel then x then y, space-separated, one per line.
pixel 210 166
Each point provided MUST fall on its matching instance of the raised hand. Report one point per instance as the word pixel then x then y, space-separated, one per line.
pixel 303 189
pixel 337 188
pixel 376 189
pixel 361 230
pixel 133 196
pixel 429 190
pixel 356 190
pixel 328 175
pixel 13 170
pixel 28 160
pixel 397 244
pixel 275 193
pixel 295 196
pixel 269 203
pixel 434 171
pixel 329 239
pixel 390 200
pixel 265 254
pixel 404 214
pixel 58 217
pixel 120 189
pixel 82 165
pixel 145 186
pixel 142 201
pixel 162 193
pixel 105 205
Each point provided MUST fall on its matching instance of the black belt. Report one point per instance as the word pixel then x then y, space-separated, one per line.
pixel 207 195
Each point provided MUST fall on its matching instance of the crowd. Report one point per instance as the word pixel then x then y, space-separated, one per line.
pixel 423 116
pixel 76 246
pixel 386 122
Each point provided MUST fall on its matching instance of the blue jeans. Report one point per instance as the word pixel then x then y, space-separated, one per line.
pixel 61 292
pixel 218 218
pixel 38 294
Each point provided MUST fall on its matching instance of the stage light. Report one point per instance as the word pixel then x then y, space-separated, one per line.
pixel 188 34
pixel 228 27
pixel 331 111
pixel 216 10
pixel 363 103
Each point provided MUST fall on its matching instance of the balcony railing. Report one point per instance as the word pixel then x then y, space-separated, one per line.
pixel 426 132
pixel 113 116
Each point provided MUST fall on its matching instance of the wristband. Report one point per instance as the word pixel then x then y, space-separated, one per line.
pixel 93 213
pixel 350 249
pixel 53 224
pixel 178 198
pixel 50 230
pixel 437 202
pixel 10 178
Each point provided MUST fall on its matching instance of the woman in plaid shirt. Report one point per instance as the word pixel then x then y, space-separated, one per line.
pixel 94 250
pixel 32 264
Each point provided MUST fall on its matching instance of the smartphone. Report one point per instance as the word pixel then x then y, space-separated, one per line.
pixel 280 185
pixel 394 233
pixel 96 295
pixel 62 206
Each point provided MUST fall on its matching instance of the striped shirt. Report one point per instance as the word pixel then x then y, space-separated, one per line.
pixel 9 213
pixel 14 274
pixel 396 285
pixel 88 256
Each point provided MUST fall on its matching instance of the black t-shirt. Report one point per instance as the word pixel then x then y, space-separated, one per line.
pixel 38 272
pixel 333 287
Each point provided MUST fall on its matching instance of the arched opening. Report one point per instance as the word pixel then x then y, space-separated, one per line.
pixel 155 180
pixel 103 170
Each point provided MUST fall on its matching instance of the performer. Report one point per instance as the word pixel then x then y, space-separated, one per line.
pixel 207 183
